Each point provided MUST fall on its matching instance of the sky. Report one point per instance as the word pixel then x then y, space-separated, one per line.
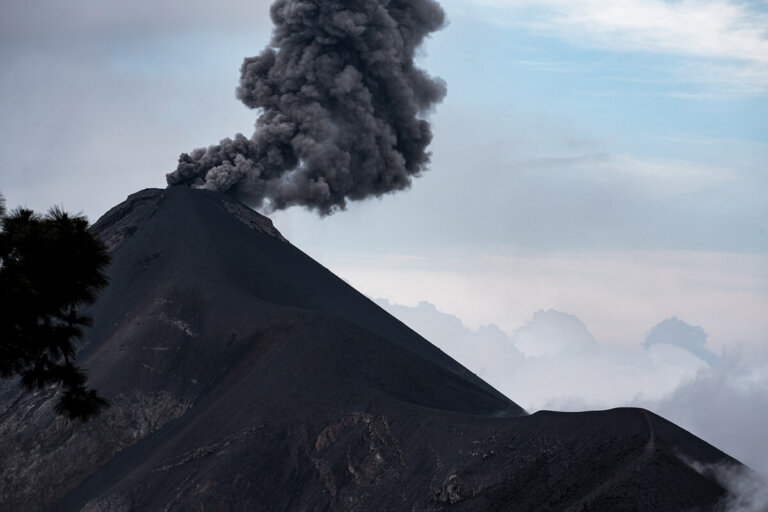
pixel 592 231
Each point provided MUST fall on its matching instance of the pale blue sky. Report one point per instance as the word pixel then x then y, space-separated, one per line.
pixel 570 131
pixel 589 127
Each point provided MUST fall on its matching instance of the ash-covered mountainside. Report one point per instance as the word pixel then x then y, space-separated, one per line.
pixel 245 376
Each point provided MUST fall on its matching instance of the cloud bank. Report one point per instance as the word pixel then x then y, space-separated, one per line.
pixel 553 362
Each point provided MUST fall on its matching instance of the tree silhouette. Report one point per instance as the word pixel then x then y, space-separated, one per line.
pixel 50 266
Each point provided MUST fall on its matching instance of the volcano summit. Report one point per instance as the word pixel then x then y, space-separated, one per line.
pixel 245 376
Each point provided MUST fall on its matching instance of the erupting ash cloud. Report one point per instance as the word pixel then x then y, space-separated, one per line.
pixel 341 105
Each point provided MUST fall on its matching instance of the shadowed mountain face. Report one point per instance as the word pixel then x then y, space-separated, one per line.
pixel 245 376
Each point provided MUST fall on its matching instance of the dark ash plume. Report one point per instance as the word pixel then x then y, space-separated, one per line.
pixel 340 104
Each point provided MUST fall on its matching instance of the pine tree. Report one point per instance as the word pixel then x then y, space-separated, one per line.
pixel 50 267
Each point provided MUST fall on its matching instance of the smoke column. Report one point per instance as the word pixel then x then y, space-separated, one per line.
pixel 341 108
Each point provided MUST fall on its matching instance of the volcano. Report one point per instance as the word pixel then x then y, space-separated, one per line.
pixel 245 376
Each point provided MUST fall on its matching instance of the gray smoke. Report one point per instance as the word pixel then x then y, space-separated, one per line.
pixel 341 107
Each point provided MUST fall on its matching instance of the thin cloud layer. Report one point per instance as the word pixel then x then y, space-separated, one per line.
pixel 618 295
pixel 731 34
pixel 51 18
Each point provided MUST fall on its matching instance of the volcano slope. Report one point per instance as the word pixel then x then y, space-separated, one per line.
pixel 245 376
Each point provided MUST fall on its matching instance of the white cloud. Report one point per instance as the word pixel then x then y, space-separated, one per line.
pixel 727 406
pixel 674 331
pixel 730 33
pixel 551 333
pixel 553 362
pixel 668 177
pixel 485 350
pixel 702 28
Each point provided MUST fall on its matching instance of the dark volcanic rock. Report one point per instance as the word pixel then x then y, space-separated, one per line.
pixel 244 376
